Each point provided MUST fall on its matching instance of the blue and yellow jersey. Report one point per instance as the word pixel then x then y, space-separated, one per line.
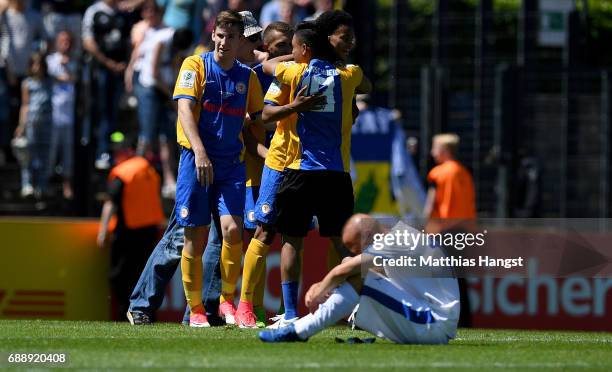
pixel 254 164
pixel 222 100
pixel 324 135
pixel 284 146
pixel 264 79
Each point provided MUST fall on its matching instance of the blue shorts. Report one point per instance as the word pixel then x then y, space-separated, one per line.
pixel 265 209
pixel 252 193
pixel 195 203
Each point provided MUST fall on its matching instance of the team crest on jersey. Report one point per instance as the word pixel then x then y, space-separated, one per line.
pixel 187 79
pixel 241 88
pixel 184 212
pixel 251 216
pixel 265 208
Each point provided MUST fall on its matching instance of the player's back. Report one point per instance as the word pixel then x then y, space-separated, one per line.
pixel 324 134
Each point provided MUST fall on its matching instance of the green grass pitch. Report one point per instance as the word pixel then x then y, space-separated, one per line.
pixel 105 345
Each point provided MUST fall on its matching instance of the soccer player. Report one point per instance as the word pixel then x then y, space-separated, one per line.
pixel 392 304
pixel 337 25
pixel 148 293
pixel 316 182
pixel 214 92
pixel 250 313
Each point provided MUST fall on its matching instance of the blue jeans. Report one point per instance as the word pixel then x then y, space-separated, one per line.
pixel 148 294
pixel 155 118
pixel 5 133
pixel 109 88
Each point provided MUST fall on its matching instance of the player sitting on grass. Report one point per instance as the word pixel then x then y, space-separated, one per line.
pixel 392 304
pixel 214 92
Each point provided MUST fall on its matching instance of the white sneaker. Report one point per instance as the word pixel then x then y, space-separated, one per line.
pixel 168 191
pixel 103 162
pixel 27 191
pixel 280 321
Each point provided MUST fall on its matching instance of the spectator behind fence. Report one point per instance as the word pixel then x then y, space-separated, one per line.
pixel 283 11
pixel 184 14
pixel 130 220
pixel 65 15
pixel 151 14
pixel 21 34
pixel 141 42
pixel 63 70
pixel 35 125
pixel 157 116
pixel 321 6
pixel 106 37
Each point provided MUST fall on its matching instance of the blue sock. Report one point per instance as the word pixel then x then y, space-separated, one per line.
pixel 290 298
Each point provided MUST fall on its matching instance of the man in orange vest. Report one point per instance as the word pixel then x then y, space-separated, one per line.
pixel 451 193
pixel 130 220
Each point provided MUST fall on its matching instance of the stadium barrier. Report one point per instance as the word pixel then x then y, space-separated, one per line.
pixel 52 269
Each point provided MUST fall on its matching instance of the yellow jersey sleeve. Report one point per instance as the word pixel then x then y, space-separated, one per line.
pixel 356 75
pixel 255 96
pixel 277 94
pixel 287 72
pixel 191 79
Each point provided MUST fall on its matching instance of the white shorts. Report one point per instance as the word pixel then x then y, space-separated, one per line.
pixel 397 314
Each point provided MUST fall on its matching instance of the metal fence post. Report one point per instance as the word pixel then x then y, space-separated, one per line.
pixel 604 154
pixel 504 129
pixel 425 119
pixel 482 65
pixel 439 60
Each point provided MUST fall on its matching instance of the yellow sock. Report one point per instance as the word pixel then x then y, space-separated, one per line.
pixel 191 268
pixel 333 258
pixel 260 287
pixel 230 269
pixel 254 265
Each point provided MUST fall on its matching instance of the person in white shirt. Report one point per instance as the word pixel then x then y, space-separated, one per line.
pixel 62 69
pixel 105 34
pixel 156 114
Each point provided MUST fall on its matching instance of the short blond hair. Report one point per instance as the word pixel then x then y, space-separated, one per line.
pixel 449 140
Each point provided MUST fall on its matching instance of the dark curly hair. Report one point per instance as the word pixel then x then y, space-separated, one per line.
pixel 310 34
pixel 329 21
